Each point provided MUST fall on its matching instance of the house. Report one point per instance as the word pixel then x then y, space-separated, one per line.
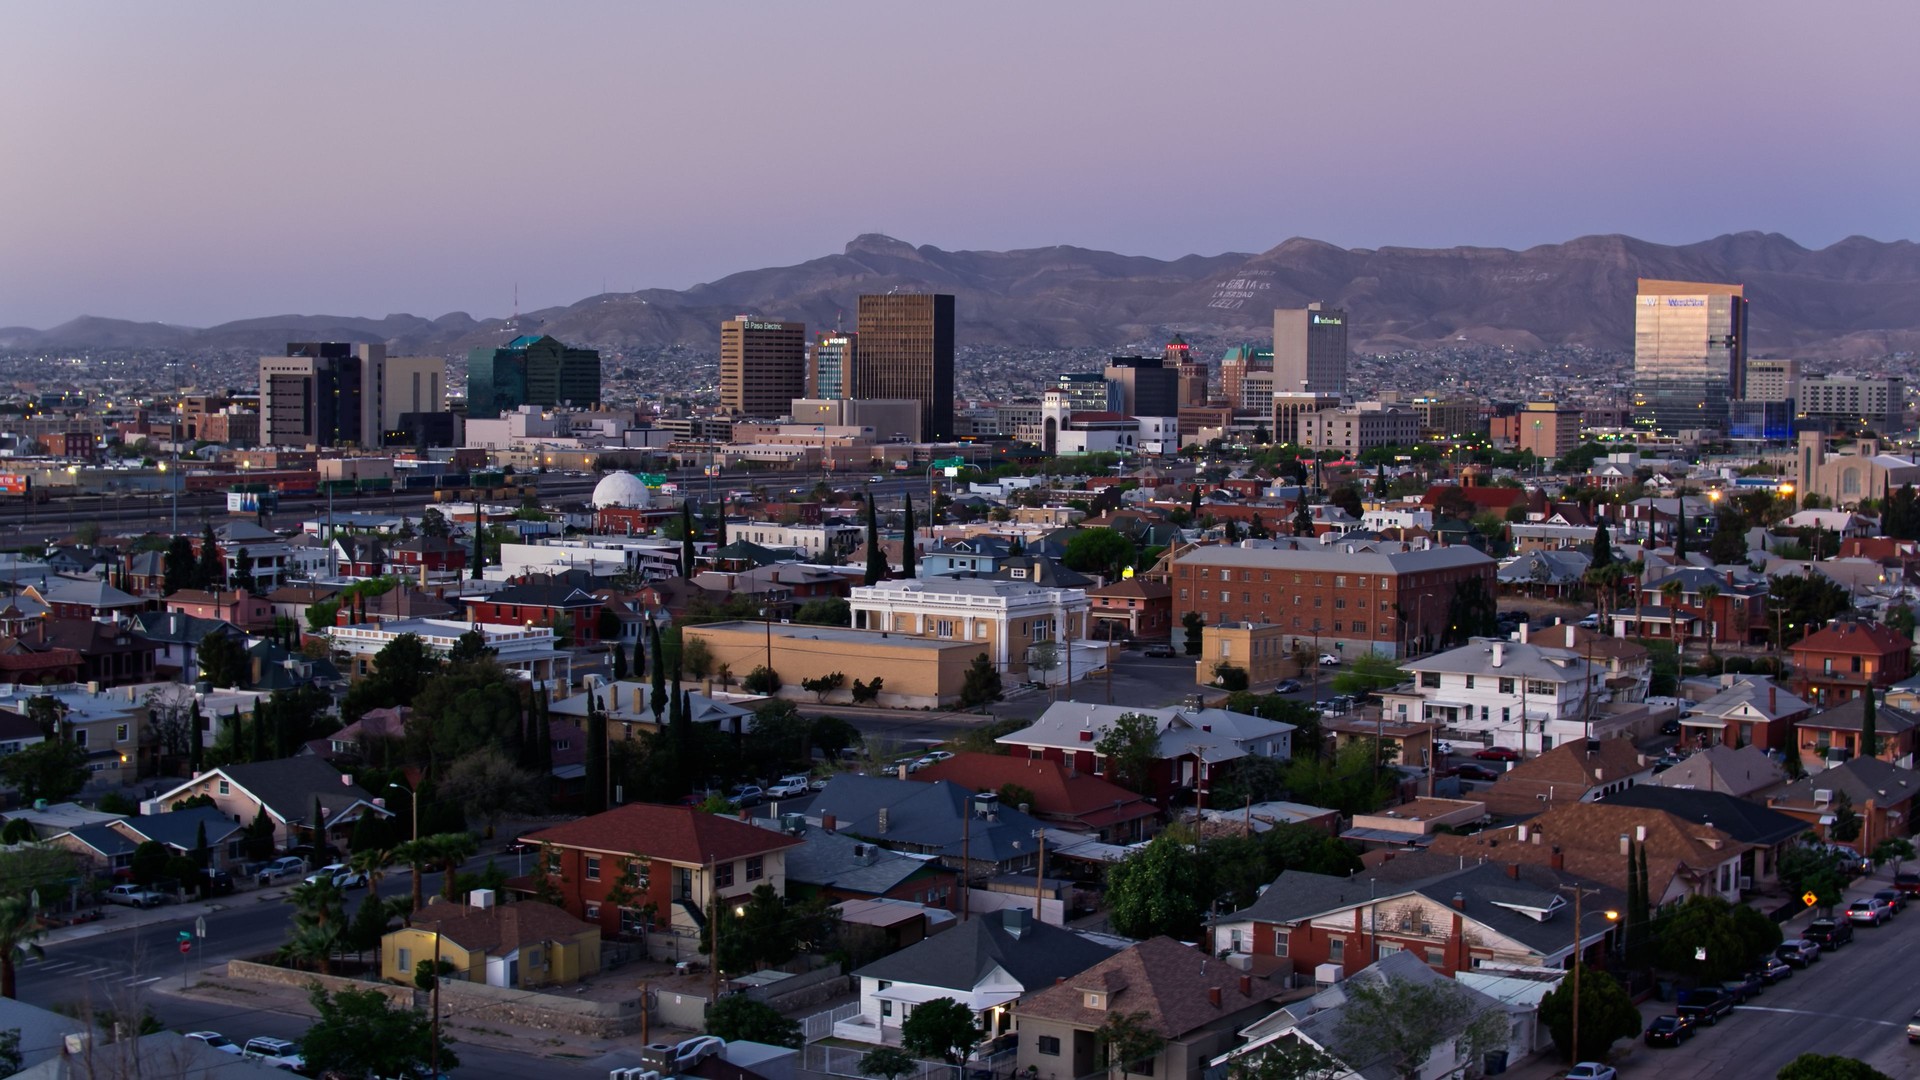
pixel 292 601
pixel 1320 1023
pixel 1879 794
pixel 1746 710
pixel 1740 773
pixel 264 552
pixel 372 738
pixel 237 606
pixel 394 605
pixel 111 653
pixel 359 556
pixel 986 964
pixel 1132 609
pixel 23 662
pixel 1592 839
pixel 1006 619
pixel 90 598
pixel 437 556
pixel 1194 743
pixel 1834 735
pixel 529 652
pixel 287 789
pixel 847 868
pixel 641 866
pixel 542 604
pixel 1840 659
pixel 1578 771
pixel 526 944
pixel 628 706
pixel 108 852
pixel 1059 796
pixel 110 725
pixel 1694 603
pixel 1196 1004
pixel 969 833
pixel 1542 572
pixel 1451 914
pixel 1770 832
pixel 1508 693
pixel 966 555
pixel 17 732
pixel 178 637
pixel 180 832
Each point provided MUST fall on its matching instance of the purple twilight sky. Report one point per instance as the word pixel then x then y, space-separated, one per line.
pixel 204 161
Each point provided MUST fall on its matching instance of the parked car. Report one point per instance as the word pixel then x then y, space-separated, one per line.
pixel 1591 622
pixel 932 757
pixel 1772 970
pixel 1671 727
pixel 1670 1030
pixel 1497 753
pixel 1829 934
pixel 1287 686
pixel 278 1053
pixel 134 896
pixel 1159 652
pixel 1592 1070
pixel 787 787
pixel 1798 953
pixel 1913 1029
pixel 744 795
pixel 1704 1005
pixel 1329 660
pixel 284 867
pixel 1475 772
pixel 1896 900
pixel 1443 748
pixel 1742 988
pixel 342 876
pixel 1869 912
pixel 1908 884
pixel 218 882
pixel 214 1039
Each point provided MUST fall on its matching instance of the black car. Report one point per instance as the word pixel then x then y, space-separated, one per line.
pixel 1160 652
pixel 1829 934
pixel 1287 686
pixel 1669 1030
pixel 1704 1006
pixel 1895 899
pixel 1671 727
pixel 218 882
pixel 1771 970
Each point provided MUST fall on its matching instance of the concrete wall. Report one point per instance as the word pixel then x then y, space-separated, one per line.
pixel 595 1019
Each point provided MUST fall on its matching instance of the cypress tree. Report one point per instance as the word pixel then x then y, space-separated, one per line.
pixel 1602 548
pixel 261 709
pixel 208 572
pixel 876 558
pixel 318 824
pixel 596 786
pixel 195 751
pixel 907 555
pixel 720 537
pixel 619 662
pixel 479 533
pixel 659 697
pixel 1193 504
pixel 1869 724
pixel 1680 534
pixel 640 651
pixel 686 540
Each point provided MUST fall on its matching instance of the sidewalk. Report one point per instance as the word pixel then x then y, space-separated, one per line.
pixel 116 918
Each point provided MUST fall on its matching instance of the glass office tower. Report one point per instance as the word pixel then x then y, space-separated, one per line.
pixel 1689 354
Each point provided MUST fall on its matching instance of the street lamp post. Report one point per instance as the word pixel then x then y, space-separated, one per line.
pixel 1612 915
pixel 415 792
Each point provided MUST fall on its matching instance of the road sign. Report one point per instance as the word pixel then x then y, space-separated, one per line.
pixel 200 927
pixel 1808 898
pixel 186 947
pixel 185 938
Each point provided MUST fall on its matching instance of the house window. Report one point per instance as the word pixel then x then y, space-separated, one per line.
pixel 1279 943
pixel 684 887
pixel 1436 957
pixel 1545 689
pixel 1047 1044
pixel 80 737
pixel 405 957
pixel 1139 1068
pixel 1469 682
pixel 1430 680
pixel 756 868
pixel 225 789
pixel 593 868
pixel 120 733
pixel 886 1008
pixel 1506 686
pixel 945 628
pixel 723 875
pixel 1096 1001
pixel 1336 951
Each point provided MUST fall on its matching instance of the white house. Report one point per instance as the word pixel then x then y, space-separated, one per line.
pixel 1009 619
pixel 527 651
pixel 1483 690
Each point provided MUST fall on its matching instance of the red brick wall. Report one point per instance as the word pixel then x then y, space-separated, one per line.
pixel 576 892
pixel 1267 596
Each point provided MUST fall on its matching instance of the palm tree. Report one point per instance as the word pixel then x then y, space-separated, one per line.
pixel 374 863
pixel 19 927
pixel 452 849
pixel 319 918
pixel 1707 593
pixel 418 855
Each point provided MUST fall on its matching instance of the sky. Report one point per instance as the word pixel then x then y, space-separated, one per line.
pixel 198 162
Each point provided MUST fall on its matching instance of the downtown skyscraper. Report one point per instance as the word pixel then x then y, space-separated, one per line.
pixel 763 366
pixel 1689 354
pixel 906 351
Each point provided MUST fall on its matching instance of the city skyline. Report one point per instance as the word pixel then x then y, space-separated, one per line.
pixel 175 164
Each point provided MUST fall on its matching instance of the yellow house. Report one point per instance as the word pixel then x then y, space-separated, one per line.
pixel 524 944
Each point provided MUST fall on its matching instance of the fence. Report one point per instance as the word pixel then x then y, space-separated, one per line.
pixel 820 1024
pixel 842 1061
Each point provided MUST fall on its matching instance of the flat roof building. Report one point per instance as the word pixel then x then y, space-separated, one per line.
pixel 1689 354
pixel 906 351
pixel 763 366
pixel 1310 349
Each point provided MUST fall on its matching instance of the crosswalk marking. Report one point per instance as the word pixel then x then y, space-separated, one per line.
pixel 142 982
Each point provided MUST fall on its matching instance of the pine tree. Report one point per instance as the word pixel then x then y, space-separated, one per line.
pixel 1602 548
pixel 876 558
pixel 907 554
pixel 1869 724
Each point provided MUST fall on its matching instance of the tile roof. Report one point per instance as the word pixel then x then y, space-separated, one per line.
pixel 678 834
pixel 960 958
pixel 1056 792
pixel 1850 636
pixel 500 930
pixel 1172 984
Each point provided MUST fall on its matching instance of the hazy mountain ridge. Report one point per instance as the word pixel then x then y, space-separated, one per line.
pixel 1856 297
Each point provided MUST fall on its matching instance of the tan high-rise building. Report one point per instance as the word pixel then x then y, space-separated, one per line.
pixel 906 351
pixel 1689 354
pixel 1546 429
pixel 1310 350
pixel 1193 371
pixel 1771 380
pixel 763 366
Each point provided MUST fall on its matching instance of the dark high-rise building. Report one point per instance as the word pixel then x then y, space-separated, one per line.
pixel 834 354
pixel 906 351
pixel 763 366
pixel 531 370
pixel 1147 386
pixel 1689 354
pixel 314 395
pixel 1310 350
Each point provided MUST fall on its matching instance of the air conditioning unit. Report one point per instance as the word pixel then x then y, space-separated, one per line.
pixel 1745 882
pixel 1822 796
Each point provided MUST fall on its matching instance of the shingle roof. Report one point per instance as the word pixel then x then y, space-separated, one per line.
pixel 1171 984
pixel 1850 715
pixel 958 959
pixel 1861 778
pixel 499 930
pixel 1320 1019
pixel 1747 822
pixel 288 787
pixel 1721 768
pixel 928 817
pixel 1516 660
pixel 831 860
pixel 678 834
pixel 181 828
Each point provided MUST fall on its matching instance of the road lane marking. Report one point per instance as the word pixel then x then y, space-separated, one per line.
pixel 142 982
pixel 96 972
pixel 1827 1015
pixel 62 966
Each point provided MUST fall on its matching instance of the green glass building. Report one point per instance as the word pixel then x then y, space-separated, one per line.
pixel 531 370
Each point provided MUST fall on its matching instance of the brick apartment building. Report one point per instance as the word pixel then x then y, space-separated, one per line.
pixel 1347 598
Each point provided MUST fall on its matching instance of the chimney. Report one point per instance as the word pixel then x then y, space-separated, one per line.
pixel 1499 653
pixel 1014 920
pixel 1513 870
pixel 1773 698
pixel 901 772
pixel 1213 996
pixel 1459 901
pixel 1523 833
pixel 829 822
pixel 1626 846
pixel 880 821
pixel 1572 632
pixel 1536 838
pixel 1558 860
pixel 1523 633
pixel 1640 833
pixel 1246 986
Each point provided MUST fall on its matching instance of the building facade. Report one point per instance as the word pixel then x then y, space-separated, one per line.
pixel 1147 386
pixel 834 354
pixel 1771 380
pixel 763 366
pixel 1360 428
pixel 1689 354
pixel 530 370
pixel 1310 349
pixel 1850 401
pixel 906 351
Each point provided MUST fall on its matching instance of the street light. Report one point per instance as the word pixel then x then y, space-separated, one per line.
pixel 415 792
pixel 1612 916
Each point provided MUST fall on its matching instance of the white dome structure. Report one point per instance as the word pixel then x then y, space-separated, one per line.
pixel 623 490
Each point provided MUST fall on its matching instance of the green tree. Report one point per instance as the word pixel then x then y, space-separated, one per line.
pixel 909 554
pixel 149 862
pixel 369 924
pixel 1845 828
pixel 1192 621
pixel 831 611
pixel 980 684
pixel 208 570
pixel 1131 745
pixel 489 785
pixel 1130 1041
pixel 1607 1014
pixel 1829 1067
pixel 1369 672
pixel 1703 926
pixel 877 568
pixel 740 1018
pixel 1869 725
pixel 1729 543
pixel 887 1062
pixel 259 839
pixel 55 770
pixel 1286 1059
pixel 178 565
pixel 319 923
pixel 1895 850
pixel 761 680
pixel 362 1033
pixel 19 930
pixel 1156 890
pixel 223 660
pixel 942 1028
pixel 1398 1023
pixel 1099 551
pixel 467 708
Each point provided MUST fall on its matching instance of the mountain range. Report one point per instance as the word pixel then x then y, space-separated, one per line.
pixel 1856 298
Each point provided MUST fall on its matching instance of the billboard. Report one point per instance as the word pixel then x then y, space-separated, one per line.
pixel 15 484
